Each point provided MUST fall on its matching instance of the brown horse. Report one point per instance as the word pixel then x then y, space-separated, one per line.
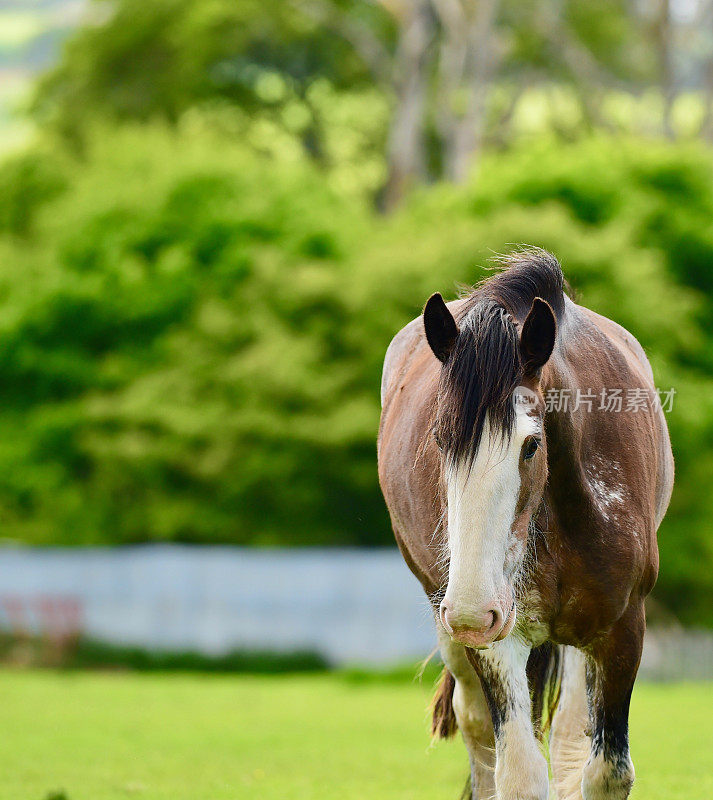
pixel 526 478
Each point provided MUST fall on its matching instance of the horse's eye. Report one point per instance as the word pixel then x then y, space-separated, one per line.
pixel 530 447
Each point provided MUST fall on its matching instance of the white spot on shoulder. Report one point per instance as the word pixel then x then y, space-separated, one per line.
pixel 610 495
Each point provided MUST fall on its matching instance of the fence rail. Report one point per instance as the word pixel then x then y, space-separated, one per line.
pixel 347 605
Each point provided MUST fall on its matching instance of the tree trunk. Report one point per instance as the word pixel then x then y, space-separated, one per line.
pixel 467 65
pixel 451 70
pixel 470 129
pixel 707 123
pixel 405 153
pixel 665 44
pixel 705 23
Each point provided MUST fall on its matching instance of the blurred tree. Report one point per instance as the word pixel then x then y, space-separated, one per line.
pixel 664 39
pixel 436 61
pixel 469 62
pixel 405 154
pixel 401 67
pixel 137 60
pixel 702 46
pixel 591 47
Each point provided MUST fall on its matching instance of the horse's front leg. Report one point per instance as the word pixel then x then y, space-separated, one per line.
pixel 473 717
pixel 520 767
pixel 611 671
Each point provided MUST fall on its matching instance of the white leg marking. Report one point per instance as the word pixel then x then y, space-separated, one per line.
pixel 521 768
pixel 473 716
pixel 569 743
pixel 602 782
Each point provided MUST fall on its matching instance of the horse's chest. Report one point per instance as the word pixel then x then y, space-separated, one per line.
pixel 569 607
pixel 534 618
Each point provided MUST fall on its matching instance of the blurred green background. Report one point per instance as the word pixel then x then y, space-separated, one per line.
pixel 215 214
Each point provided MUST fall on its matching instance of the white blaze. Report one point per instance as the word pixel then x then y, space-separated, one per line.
pixel 481 511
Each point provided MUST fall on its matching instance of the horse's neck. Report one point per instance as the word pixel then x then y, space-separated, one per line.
pixel 561 380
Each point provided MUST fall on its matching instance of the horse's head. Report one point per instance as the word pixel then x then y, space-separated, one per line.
pixel 489 428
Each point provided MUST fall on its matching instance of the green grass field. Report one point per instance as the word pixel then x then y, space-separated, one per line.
pixel 94 736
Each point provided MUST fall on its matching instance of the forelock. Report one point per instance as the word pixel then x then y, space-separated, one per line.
pixel 478 379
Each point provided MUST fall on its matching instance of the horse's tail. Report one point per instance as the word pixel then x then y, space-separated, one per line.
pixel 443 720
pixel 544 674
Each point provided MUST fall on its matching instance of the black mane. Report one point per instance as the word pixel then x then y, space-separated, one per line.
pixel 525 274
pixel 484 368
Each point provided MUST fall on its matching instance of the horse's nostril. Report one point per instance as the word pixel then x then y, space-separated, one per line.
pixel 496 619
pixel 443 613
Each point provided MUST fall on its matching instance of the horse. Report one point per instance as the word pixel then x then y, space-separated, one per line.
pixel 530 522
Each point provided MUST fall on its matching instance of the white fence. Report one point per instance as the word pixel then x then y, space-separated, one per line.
pixel 674 654
pixel 348 605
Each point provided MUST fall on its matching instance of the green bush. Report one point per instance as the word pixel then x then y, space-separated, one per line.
pixel 95 654
pixel 27 182
pixel 90 654
pixel 191 336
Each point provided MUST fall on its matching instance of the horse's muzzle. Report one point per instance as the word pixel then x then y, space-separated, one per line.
pixel 477 630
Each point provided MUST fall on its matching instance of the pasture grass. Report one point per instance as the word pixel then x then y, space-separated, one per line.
pixel 113 736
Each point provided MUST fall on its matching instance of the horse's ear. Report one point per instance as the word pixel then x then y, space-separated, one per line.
pixel 441 328
pixel 537 339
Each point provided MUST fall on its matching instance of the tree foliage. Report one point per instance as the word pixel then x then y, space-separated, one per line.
pixel 436 63
pixel 155 60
